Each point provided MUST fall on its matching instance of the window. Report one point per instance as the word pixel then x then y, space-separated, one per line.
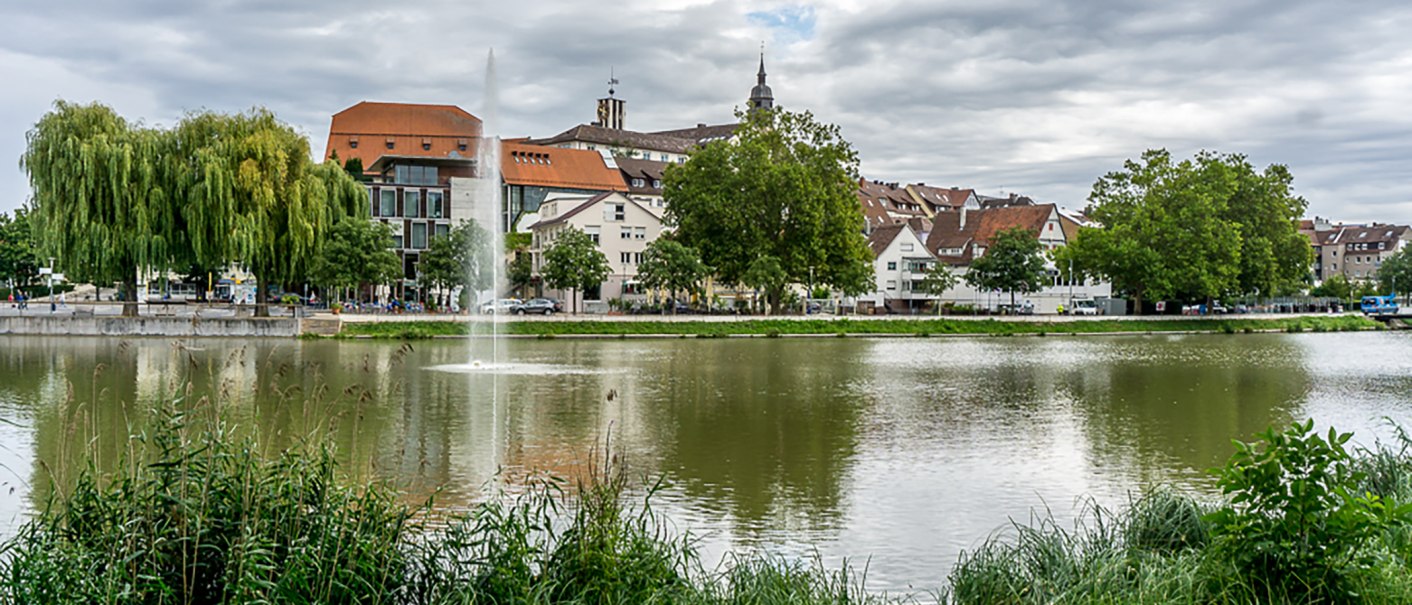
pixel 906 285
pixel 397 241
pixel 614 213
pixel 637 258
pixel 419 235
pixel 625 233
pixel 907 246
pixel 639 232
pixel 411 204
pixel 388 203
pixel 891 284
pixel 415 175
pixel 664 157
pixel 892 265
pixel 443 229
pixel 434 209
pixel 592 232
pixel 391 143
pixel 656 184
pixel 637 182
pixel 373 201
pixel 619 212
pixel 625 257
pixel 917 266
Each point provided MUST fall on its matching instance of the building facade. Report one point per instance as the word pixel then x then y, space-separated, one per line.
pixel 621 227
pixel 901 263
pixel 1354 251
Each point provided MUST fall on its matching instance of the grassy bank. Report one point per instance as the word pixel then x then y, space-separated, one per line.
pixel 198 516
pixel 861 327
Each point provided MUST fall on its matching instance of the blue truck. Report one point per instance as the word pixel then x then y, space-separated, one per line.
pixel 1380 305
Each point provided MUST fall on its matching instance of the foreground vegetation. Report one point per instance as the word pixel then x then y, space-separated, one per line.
pixel 196 514
pixel 844 326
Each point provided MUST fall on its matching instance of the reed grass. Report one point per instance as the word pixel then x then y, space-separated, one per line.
pixel 198 514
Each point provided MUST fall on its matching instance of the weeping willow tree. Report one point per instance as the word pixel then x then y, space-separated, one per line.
pixel 258 199
pixel 103 204
pixel 114 200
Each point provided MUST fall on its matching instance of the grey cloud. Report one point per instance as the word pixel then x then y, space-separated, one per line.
pixel 1039 97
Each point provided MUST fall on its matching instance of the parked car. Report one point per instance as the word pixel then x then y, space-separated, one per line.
pixel 1084 307
pixel 540 306
pixel 502 306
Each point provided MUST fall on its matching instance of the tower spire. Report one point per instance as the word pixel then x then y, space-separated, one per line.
pixel 761 97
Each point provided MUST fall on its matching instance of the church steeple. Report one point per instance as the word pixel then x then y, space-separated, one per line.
pixel 761 97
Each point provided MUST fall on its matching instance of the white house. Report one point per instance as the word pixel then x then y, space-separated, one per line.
pixel 957 238
pixel 901 262
pixel 622 228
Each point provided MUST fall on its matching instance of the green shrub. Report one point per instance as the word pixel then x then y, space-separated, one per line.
pixel 1294 525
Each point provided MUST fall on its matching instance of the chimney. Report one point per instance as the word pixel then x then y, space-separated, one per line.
pixel 963 218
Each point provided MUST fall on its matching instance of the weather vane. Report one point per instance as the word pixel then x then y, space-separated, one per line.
pixel 612 81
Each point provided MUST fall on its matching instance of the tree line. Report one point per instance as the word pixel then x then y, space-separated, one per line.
pixel 114 200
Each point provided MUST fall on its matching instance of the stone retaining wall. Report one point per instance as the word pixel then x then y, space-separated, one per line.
pixel 149 326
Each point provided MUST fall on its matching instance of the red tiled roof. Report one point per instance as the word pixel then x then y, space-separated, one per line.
pixel 557 167
pixel 894 200
pixel 364 131
pixel 942 197
pixel 982 225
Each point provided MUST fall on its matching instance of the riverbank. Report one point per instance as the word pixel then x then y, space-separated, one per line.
pixel 846 327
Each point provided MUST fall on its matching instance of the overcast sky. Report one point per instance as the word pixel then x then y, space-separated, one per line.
pixel 1038 97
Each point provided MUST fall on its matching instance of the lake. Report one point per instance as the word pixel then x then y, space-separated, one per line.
pixel 895 453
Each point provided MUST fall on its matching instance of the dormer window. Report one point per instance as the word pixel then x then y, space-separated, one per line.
pixel 656 184
pixel 636 182
pixel 391 142
pixel 461 144
pixel 426 144
pixel 352 142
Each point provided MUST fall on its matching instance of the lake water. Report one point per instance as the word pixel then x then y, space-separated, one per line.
pixel 894 453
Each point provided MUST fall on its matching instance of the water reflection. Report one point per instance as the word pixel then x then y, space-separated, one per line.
pixel 902 450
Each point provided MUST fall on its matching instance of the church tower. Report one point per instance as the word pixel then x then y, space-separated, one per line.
pixel 612 111
pixel 761 97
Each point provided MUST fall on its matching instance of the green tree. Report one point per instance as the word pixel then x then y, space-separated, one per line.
pixel 354 168
pixel 258 199
pixel 1337 286
pixel 1195 229
pixel 1395 274
pixel 113 200
pixel 18 263
pixel 937 279
pixel 519 272
pixel 357 254
pixel 1013 262
pixel 669 265
pixel 766 275
pixel 103 197
pixel 784 186
pixel 464 257
pixel 574 262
